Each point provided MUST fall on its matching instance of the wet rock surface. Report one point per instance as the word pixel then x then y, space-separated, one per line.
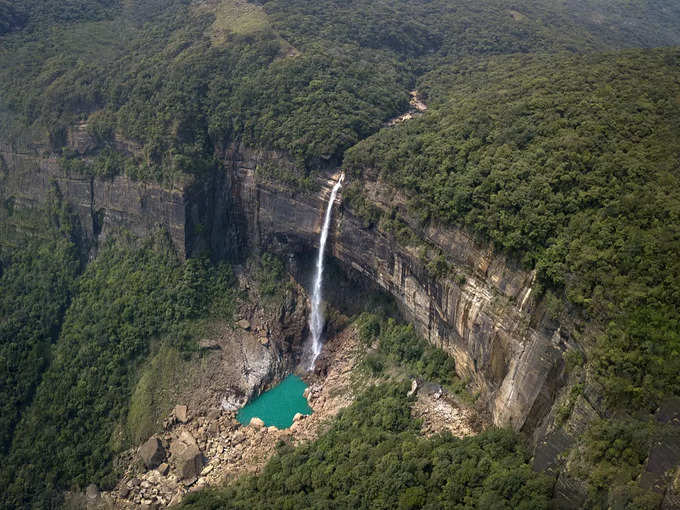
pixel 152 452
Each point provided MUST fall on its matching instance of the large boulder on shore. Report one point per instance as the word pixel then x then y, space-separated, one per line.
pixel 152 453
pixel 256 422
pixel 186 455
pixel 181 413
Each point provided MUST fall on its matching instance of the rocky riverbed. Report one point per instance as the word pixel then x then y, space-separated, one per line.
pixel 200 448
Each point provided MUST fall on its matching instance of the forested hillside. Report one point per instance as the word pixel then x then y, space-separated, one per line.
pixel 308 78
pixel 373 457
pixel 37 283
pixel 551 136
pixel 128 298
pixel 571 164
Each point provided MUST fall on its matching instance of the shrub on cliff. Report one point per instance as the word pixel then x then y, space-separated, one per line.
pixel 400 343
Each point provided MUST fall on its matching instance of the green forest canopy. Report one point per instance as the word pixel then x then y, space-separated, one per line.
pixel 570 163
pixel 567 162
pixel 373 457
pixel 127 297
pixel 309 78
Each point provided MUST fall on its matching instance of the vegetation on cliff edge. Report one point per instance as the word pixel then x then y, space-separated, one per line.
pixel 569 163
pixel 307 78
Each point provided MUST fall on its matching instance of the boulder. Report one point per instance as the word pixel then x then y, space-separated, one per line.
pixel 209 344
pixel 298 417
pixel 264 340
pixel 188 482
pixel 306 393
pixel 214 428
pixel 244 324
pixel 213 414
pixel 186 455
pixel 176 498
pixel 152 453
pixel 181 413
pixel 256 422
pixel 92 492
pixel 163 469
pixel 238 437
pixel 414 388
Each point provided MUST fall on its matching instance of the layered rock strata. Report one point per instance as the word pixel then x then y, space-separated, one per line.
pixel 484 317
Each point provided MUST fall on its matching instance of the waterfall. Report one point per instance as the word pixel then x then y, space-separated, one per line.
pixel 316 318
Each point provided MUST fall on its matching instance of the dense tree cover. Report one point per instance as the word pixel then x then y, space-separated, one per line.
pixel 400 343
pixel 373 457
pixel 470 27
pixel 36 279
pixel 183 94
pixel 35 14
pixel 10 18
pixel 308 78
pixel 615 451
pixel 571 164
pixel 270 275
pixel 126 298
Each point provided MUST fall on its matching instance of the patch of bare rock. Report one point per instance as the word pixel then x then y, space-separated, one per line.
pixel 213 448
pixel 439 411
pixel 417 107
pixel 198 449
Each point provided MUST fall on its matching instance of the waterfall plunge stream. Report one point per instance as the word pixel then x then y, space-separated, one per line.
pixel 316 318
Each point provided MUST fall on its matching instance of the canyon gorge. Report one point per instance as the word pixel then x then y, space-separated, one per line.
pixel 482 312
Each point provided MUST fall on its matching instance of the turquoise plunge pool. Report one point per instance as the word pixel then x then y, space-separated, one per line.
pixel 278 405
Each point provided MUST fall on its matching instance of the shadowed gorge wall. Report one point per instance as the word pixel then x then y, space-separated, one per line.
pixel 485 317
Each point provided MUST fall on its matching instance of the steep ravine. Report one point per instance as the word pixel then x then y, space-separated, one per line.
pixel 485 316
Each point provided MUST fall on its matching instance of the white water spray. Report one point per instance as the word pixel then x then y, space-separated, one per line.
pixel 316 318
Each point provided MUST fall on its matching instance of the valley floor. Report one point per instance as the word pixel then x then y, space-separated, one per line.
pixel 231 450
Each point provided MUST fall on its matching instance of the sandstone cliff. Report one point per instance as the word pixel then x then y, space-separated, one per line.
pixel 485 318
pixel 484 311
pixel 28 175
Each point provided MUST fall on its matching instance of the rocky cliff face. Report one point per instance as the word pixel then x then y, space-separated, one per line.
pixel 29 175
pixel 487 320
pixel 483 311
pixel 485 317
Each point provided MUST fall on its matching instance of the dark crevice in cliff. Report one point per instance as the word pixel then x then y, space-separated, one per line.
pixel 95 217
pixel 214 223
